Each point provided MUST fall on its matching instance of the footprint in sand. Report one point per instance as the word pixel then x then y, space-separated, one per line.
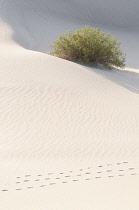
pixel 30 187
pixel 42 185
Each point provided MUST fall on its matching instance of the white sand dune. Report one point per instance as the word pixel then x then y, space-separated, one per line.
pixel 68 133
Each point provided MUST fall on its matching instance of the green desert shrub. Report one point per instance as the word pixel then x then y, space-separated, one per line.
pixel 90 46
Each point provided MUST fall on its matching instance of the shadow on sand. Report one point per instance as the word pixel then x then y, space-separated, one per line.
pixel 125 78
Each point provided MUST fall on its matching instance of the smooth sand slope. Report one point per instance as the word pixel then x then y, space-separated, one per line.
pixel 68 133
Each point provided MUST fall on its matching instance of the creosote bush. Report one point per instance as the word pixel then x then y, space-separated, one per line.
pixel 90 46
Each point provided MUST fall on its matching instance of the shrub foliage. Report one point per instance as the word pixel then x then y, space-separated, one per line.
pixel 90 46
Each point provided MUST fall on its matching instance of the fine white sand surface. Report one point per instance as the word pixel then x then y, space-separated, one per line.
pixel 69 134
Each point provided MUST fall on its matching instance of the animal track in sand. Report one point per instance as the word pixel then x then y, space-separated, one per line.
pixel 4 190
pixel 42 185
pixel 105 171
pixel 30 187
